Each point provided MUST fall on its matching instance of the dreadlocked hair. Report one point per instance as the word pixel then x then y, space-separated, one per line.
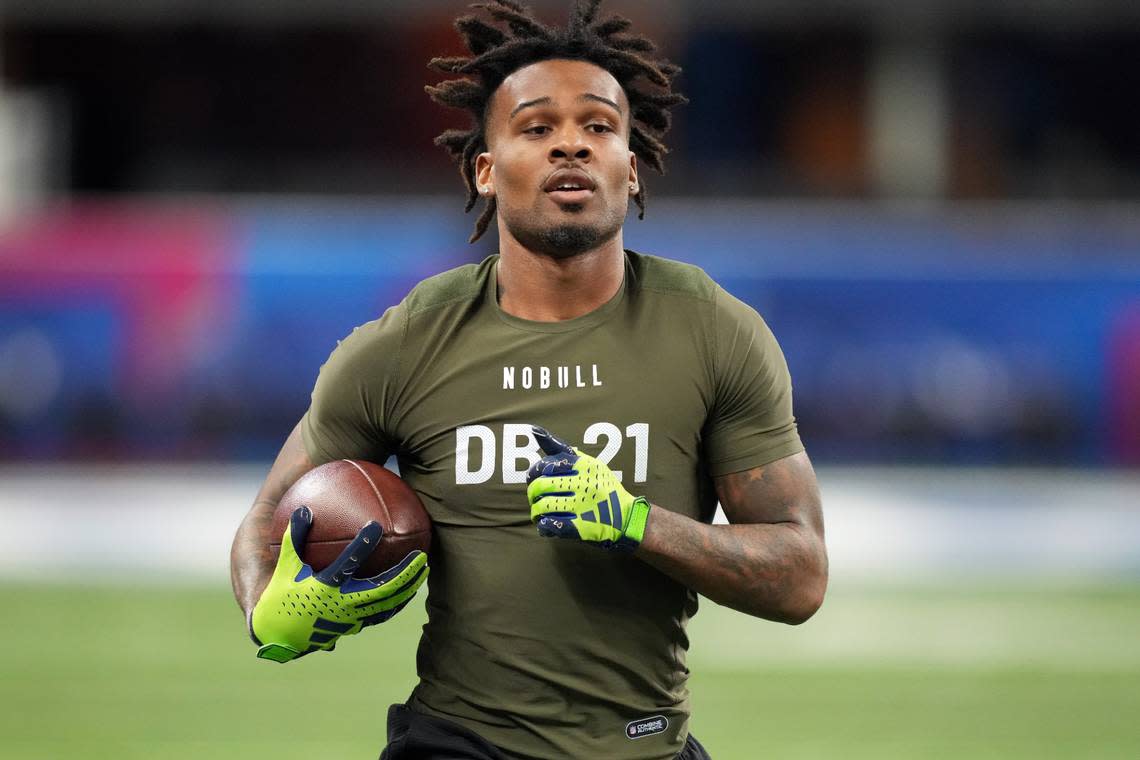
pixel 516 39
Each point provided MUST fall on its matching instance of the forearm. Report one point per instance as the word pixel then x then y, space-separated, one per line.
pixel 251 562
pixel 776 571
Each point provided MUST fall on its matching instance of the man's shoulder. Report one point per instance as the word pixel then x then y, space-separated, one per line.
pixel 463 283
pixel 455 286
pixel 661 275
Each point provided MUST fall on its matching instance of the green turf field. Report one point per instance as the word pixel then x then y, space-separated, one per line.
pixel 142 673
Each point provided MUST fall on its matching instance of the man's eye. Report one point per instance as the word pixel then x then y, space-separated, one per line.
pixel 537 129
pixel 601 128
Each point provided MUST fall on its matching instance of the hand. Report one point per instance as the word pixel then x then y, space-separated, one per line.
pixel 300 612
pixel 573 495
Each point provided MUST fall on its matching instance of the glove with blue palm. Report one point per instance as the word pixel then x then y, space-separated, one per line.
pixel 574 495
pixel 301 612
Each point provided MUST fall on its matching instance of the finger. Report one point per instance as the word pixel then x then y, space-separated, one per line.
pixel 299 523
pixel 417 558
pixel 395 603
pixel 411 571
pixel 562 507
pixel 544 489
pixel 383 615
pixel 408 571
pixel 324 646
pixel 550 444
pixel 561 526
pixel 550 466
pixel 398 599
pixel 358 550
pixel 289 562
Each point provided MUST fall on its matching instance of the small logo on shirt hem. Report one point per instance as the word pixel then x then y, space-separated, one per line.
pixel 642 727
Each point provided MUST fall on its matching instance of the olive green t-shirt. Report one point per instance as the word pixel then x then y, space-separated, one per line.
pixel 553 648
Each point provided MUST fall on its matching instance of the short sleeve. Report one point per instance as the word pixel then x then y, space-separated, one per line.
pixel 751 423
pixel 349 416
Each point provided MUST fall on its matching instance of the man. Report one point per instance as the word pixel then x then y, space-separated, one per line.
pixel 574 647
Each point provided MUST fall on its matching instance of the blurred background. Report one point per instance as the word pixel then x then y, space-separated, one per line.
pixel 935 205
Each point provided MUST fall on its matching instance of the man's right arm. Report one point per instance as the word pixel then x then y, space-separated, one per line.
pixel 251 563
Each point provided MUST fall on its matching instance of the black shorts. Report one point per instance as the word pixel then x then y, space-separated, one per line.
pixel 414 736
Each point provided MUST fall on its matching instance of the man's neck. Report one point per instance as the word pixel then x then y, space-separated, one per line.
pixel 540 288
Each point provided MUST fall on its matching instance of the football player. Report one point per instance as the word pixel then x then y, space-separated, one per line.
pixel 569 412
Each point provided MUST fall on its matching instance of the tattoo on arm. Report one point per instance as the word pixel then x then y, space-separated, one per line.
pixel 770 561
pixel 251 560
pixel 250 557
pixel 784 491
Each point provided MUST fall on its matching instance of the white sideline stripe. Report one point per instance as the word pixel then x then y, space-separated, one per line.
pixel 882 523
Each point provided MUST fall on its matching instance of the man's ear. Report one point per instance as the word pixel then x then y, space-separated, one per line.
pixel 634 185
pixel 484 177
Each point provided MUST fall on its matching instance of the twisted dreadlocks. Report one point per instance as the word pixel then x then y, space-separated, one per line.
pixel 498 52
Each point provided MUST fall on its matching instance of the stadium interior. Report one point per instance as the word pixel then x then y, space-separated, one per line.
pixel 935 205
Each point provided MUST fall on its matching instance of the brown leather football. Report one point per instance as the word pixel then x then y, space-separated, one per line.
pixel 343 496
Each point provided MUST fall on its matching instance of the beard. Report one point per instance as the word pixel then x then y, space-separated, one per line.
pixel 563 239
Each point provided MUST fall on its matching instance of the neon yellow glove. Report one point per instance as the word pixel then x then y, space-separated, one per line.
pixel 301 612
pixel 574 495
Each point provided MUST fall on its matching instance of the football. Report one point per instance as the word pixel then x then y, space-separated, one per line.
pixel 345 495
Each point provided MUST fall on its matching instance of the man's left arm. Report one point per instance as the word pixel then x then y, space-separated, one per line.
pixel 770 561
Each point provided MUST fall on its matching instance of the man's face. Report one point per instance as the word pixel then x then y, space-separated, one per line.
pixel 558 161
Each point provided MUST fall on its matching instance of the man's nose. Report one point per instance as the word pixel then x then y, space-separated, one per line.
pixel 570 145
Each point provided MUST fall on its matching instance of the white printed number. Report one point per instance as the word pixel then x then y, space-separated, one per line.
pixel 476 451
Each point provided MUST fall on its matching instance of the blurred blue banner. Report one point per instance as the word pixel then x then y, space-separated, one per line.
pixel 131 331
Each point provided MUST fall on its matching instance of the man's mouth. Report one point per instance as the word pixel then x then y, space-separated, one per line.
pixel 569 186
pixel 570 195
